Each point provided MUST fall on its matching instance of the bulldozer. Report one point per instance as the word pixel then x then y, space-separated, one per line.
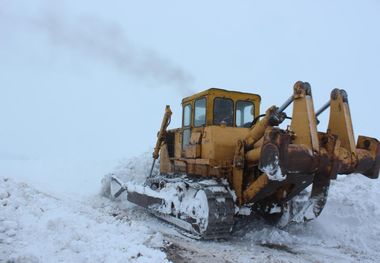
pixel 229 160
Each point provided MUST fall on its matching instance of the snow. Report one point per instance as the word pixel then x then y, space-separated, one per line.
pixel 38 227
pixel 39 223
pixel 273 171
pixel 347 230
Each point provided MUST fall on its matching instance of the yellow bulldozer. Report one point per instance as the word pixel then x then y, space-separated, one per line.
pixel 228 159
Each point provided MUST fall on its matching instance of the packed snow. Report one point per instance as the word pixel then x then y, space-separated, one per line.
pixel 38 227
pixel 40 224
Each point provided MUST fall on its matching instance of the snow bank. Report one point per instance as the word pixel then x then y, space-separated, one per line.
pixel 135 169
pixel 347 230
pixel 37 227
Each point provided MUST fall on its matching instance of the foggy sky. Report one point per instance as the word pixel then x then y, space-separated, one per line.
pixel 91 79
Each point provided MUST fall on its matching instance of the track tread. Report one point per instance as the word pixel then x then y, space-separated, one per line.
pixel 221 214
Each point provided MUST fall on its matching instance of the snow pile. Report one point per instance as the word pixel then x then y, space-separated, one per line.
pixel 38 227
pixel 347 229
pixel 136 169
pixel 132 170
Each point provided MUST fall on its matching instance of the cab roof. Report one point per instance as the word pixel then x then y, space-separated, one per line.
pixel 223 93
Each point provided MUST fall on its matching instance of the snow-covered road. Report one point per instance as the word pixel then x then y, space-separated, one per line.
pixel 41 225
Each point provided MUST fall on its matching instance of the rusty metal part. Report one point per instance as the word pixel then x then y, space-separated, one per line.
pixel 369 168
pixel 365 160
pixel 143 199
pixel 275 147
pixel 296 163
pixel 292 158
pixel 327 170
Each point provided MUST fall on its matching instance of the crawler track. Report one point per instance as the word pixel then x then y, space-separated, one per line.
pixel 203 208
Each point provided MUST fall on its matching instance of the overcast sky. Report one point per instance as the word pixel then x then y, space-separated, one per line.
pixel 90 79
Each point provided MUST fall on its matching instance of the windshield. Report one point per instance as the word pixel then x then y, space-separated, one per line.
pixel 223 111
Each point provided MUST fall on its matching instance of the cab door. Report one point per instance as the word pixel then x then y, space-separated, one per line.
pixel 186 126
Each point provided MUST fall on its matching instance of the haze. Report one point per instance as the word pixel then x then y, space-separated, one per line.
pixel 90 79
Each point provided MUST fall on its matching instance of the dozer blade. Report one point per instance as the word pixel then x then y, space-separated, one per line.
pixel 141 199
pixel 205 208
pixel 117 187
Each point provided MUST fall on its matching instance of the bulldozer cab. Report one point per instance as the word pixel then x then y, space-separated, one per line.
pixel 218 107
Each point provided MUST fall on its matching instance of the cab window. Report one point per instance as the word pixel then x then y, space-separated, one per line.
pixel 186 115
pixel 244 113
pixel 223 111
pixel 200 112
pixel 186 126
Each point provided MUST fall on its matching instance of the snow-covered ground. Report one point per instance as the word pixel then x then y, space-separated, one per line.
pixel 43 222
pixel 39 227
